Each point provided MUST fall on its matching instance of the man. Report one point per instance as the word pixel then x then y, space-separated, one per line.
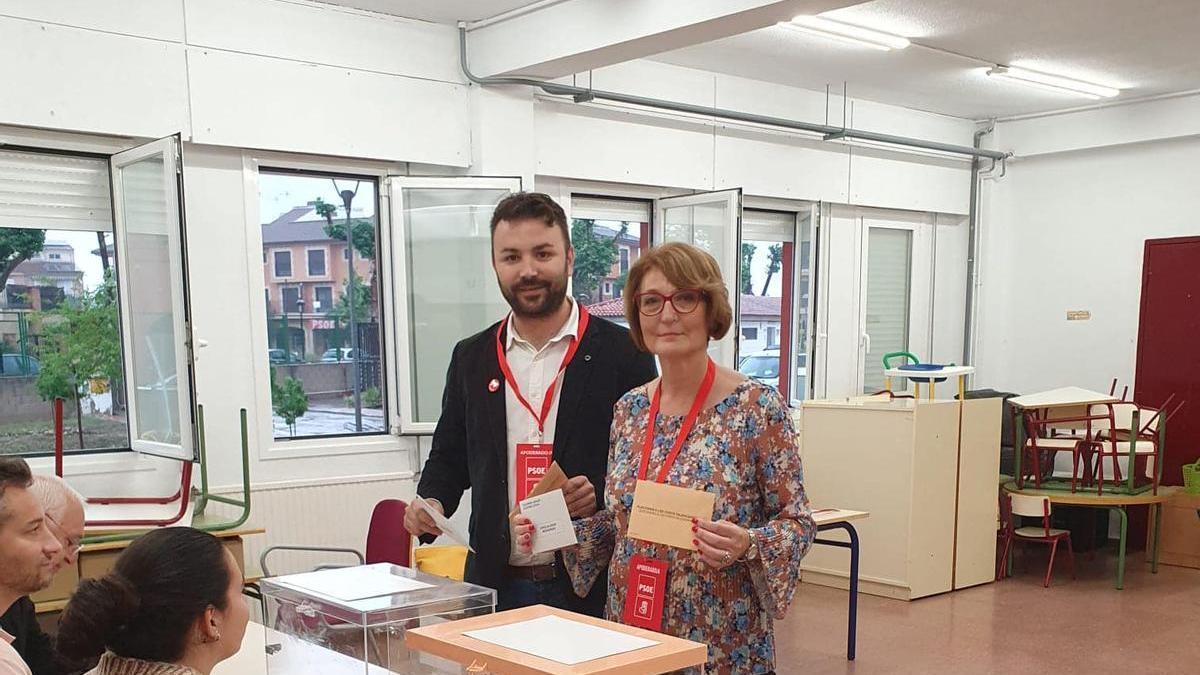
pixel 548 375
pixel 63 508
pixel 27 550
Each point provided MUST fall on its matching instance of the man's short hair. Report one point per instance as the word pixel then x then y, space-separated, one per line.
pixel 14 473
pixel 55 496
pixel 532 205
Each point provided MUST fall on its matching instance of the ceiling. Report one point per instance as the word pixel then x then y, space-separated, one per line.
pixel 1145 48
pixel 438 11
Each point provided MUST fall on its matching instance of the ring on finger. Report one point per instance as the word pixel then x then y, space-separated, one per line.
pixel 726 558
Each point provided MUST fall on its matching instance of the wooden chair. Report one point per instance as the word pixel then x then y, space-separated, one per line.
pixel 1034 507
pixel 1132 428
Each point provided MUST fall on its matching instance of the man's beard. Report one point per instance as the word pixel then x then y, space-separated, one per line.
pixel 554 292
pixel 26 581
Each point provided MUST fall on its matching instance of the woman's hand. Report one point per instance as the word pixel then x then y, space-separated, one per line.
pixel 720 543
pixel 522 533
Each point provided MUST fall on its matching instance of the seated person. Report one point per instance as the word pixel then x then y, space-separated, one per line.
pixel 171 605
pixel 63 509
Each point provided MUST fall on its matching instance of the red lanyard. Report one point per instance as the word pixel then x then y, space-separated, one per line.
pixel 512 381
pixel 688 422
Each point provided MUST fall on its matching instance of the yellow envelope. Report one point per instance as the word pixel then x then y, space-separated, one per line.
pixel 553 480
pixel 663 513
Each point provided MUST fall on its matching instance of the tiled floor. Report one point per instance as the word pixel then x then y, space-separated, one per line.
pixel 1014 626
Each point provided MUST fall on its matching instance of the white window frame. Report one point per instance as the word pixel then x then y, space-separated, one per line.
pixel 920 286
pixel 268 447
pixel 308 267
pixel 275 264
pixel 122 462
pixel 747 337
pixel 283 303
pixel 171 151
pixel 403 358
pixel 727 347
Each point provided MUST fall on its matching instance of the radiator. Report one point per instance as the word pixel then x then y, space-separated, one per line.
pixel 326 512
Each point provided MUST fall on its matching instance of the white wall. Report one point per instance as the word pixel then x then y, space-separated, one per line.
pixel 238 78
pixel 1065 230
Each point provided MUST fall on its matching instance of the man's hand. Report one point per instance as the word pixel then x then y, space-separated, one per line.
pixel 418 522
pixel 580 496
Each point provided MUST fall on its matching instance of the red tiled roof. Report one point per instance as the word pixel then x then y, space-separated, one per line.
pixel 752 305
pixel 608 308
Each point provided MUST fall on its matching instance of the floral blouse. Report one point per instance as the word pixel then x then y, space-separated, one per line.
pixel 744 450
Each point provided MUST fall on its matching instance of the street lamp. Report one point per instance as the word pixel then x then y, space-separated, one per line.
pixel 347 198
pixel 303 337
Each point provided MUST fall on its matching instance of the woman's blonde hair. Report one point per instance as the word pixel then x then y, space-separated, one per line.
pixel 685 266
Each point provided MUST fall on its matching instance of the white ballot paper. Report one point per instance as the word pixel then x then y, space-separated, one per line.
pixel 561 640
pixel 552 521
pixel 442 522
pixel 354 583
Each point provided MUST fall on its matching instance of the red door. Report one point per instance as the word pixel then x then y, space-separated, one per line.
pixel 1168 349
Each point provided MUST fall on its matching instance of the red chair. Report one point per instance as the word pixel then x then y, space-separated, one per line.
pixel 387 540
pixel 1033 507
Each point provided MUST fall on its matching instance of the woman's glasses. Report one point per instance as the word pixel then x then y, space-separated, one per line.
pixel 684 300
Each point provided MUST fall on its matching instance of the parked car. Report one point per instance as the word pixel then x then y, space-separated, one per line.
pixel 337 355
pixel 282 356
pixel 762 366
pixel 15 365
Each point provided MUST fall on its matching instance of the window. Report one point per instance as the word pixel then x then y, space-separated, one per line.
pixel 325 347
pixel 51 310
pixel 886 298
pixel 323 299
pixel 316 262
pixel 608 234
pixel 283 264
pixel 775 298
pixel 291 299
pixel 447 289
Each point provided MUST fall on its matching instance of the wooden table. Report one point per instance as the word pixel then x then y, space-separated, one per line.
pixel 1054 399
pixel 95 560
pixel 840 519
pixel 1113 502
pixel 447 641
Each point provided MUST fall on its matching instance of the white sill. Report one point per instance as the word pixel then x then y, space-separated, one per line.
pixel 120 461
pixel 324 447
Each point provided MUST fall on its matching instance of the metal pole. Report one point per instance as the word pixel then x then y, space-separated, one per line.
pixel 347 198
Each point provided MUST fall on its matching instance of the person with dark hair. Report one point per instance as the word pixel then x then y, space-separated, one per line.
pixel 27 550
pixel 171 605
pixel 63 509
pixel 535 388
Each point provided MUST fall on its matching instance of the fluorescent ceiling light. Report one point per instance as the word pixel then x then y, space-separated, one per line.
pixel 847 33
pixel 1054 82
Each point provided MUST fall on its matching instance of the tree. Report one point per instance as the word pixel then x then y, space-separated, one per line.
pixel 594 256
pixel 775 262
pixel 362 230
pixel 289 400
pixel 362 302
pixel 80 342
pixel 748 251
pixel 17 244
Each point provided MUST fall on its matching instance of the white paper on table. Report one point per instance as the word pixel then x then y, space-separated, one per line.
pixel 561 640
pixel 552 521
pixel 448 528
pixel 354 583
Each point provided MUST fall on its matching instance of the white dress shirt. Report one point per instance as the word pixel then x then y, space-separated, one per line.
pixel 11 662
pixel 533 370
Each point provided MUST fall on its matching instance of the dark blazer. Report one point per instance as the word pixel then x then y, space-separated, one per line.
pixel 470 447
pixel 34 646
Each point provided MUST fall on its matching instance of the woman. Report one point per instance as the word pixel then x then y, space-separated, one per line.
pixel 737 442
pixel 172 605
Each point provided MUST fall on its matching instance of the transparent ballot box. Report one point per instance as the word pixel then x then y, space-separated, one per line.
pixel 352 620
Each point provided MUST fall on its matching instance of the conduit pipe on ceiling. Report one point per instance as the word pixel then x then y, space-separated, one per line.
pixel 828 132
